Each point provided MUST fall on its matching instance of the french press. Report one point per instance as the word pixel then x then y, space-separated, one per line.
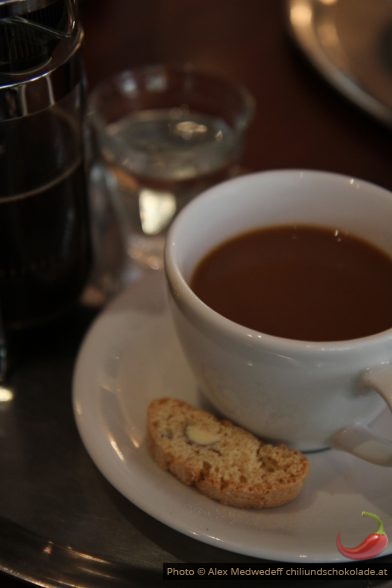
pixel 44 217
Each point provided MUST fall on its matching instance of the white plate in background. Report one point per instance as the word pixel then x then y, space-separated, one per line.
pixel 350 44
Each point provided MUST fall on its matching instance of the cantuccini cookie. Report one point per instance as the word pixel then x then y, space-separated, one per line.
pixel 222 460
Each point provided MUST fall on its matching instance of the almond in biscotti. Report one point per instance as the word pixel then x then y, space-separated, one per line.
pixel 222 460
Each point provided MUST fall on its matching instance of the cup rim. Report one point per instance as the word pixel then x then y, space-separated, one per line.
pixel 178 284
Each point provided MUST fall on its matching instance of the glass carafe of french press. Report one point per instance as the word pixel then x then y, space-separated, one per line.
pixel 44 228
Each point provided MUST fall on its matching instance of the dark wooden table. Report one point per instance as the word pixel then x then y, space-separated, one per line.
pixel 301 122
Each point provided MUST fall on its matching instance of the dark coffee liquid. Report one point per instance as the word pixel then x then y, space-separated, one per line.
pixel 44 231
pixel 300 282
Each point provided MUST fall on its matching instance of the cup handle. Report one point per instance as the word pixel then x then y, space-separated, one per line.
pixel 359 440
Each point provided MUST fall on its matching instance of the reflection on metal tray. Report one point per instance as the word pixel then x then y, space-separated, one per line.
pixel 350 43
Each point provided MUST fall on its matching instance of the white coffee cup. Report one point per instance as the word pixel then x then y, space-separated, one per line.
pixel 310 395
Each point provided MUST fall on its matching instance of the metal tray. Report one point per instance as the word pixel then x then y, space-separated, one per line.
pixel 61 522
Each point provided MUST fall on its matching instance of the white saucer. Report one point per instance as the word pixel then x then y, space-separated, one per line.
pixel 130 356
pixel 350 43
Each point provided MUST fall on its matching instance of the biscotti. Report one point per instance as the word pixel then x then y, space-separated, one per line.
pixel 222 460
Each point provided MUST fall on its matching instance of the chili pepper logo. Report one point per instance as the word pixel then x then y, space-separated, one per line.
pixel 370 547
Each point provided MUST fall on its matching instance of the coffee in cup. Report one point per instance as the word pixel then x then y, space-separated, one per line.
pixel 300 282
